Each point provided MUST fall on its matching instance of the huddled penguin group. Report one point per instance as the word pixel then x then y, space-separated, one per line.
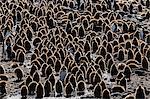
pixel 75 48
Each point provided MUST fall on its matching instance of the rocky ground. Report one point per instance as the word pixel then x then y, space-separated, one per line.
pixel 13 87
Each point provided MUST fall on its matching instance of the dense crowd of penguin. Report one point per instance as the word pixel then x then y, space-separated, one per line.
pixel 76 47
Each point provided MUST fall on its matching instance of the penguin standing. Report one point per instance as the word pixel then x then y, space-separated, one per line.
pixel 68 90
pixel 2 88
pixel 24 92
pixel 32 87
pixel 59 88
pixel 98 91
pixel 39 91
pixel 140 93
pixel 78 3
pixel 63 73
pixel 9 52
pixel 2 71
pixel 147 3
pixel 47 88
pixel 127 72
pixel 81 88
pixel 28 80
pixel 106 94
pixel 19 74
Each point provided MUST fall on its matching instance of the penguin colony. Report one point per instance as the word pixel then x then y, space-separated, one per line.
pixel 68 48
